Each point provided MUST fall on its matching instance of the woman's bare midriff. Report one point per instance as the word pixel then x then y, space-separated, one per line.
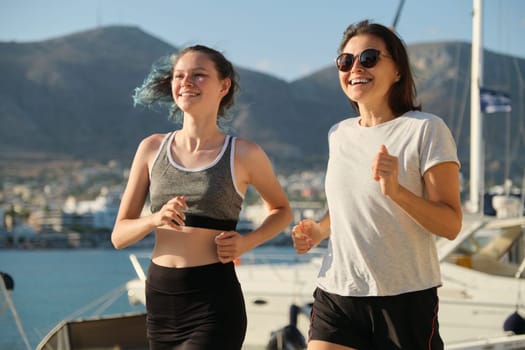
pixel 191 246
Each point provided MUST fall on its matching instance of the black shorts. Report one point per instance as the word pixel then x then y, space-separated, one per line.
pixel 405 321
pixel 198 307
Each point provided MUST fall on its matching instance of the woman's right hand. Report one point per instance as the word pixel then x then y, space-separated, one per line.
pixel 172 213
pixel 302 235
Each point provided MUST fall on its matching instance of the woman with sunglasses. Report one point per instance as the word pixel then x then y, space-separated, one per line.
pixel 392 187
pixel 196 178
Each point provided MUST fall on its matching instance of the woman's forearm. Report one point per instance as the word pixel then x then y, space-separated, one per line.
pixel 129 231
pixel 437 217
pixel 276 221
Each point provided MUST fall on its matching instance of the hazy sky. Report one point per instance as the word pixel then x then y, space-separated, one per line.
pixel 286 38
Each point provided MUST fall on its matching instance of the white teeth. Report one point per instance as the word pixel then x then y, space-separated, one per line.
pixel 359 81
pixel 186 94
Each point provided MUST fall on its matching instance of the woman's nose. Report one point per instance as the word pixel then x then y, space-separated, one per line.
pixel 187 80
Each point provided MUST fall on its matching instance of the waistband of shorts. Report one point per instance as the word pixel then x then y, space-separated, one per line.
pixel 181 279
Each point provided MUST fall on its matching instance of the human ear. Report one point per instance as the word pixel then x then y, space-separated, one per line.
pixel 226 85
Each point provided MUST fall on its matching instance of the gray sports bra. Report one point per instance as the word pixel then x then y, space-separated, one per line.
pixel 211 193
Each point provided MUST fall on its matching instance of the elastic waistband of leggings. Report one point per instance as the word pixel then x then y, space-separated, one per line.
pixel 175 279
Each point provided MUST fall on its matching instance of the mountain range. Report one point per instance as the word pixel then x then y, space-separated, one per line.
pixel 71 97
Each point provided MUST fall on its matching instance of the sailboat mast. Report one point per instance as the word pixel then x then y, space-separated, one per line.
pixel 476 122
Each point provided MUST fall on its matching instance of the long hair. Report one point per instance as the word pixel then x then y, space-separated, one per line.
pixel 156 88
pixel 403 93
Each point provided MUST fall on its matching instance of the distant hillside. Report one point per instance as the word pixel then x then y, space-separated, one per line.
pixel 73 94
pixel 71 97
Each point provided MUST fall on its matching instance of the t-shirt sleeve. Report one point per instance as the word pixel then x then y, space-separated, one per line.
pixel 437 145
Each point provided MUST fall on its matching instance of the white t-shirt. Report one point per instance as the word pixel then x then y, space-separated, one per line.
pixel 375 248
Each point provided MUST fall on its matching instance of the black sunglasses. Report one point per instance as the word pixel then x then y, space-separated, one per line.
pixel 368 59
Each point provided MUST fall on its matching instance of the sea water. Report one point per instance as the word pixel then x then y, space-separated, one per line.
pixel 53 285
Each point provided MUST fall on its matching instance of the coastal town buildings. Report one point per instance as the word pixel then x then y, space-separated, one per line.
pixel 78 207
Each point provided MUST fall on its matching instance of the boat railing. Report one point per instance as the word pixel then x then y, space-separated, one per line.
pixel 137 266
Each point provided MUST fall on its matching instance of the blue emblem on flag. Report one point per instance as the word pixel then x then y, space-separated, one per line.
pixel 494 101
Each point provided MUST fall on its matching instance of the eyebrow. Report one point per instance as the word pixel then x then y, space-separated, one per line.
pixel 192 69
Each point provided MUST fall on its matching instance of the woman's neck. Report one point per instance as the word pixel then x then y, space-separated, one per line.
pixel 375 116
pixel 195 138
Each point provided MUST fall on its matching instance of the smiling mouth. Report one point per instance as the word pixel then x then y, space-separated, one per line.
pixel 359 81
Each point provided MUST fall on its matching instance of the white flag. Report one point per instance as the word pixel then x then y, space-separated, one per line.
pixel 494 101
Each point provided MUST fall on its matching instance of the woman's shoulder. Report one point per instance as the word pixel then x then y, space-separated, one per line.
pixel 249 151
pixel 427 122
pixel 155 137
pixel 153 141
pixel 345 123
pixel 422 116
pixel 245 145
pixel 423 119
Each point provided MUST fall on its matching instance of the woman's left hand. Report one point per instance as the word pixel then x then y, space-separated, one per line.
pixel 229 246
pixel 384 170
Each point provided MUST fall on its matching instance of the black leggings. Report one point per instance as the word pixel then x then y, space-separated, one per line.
pixel 195 308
